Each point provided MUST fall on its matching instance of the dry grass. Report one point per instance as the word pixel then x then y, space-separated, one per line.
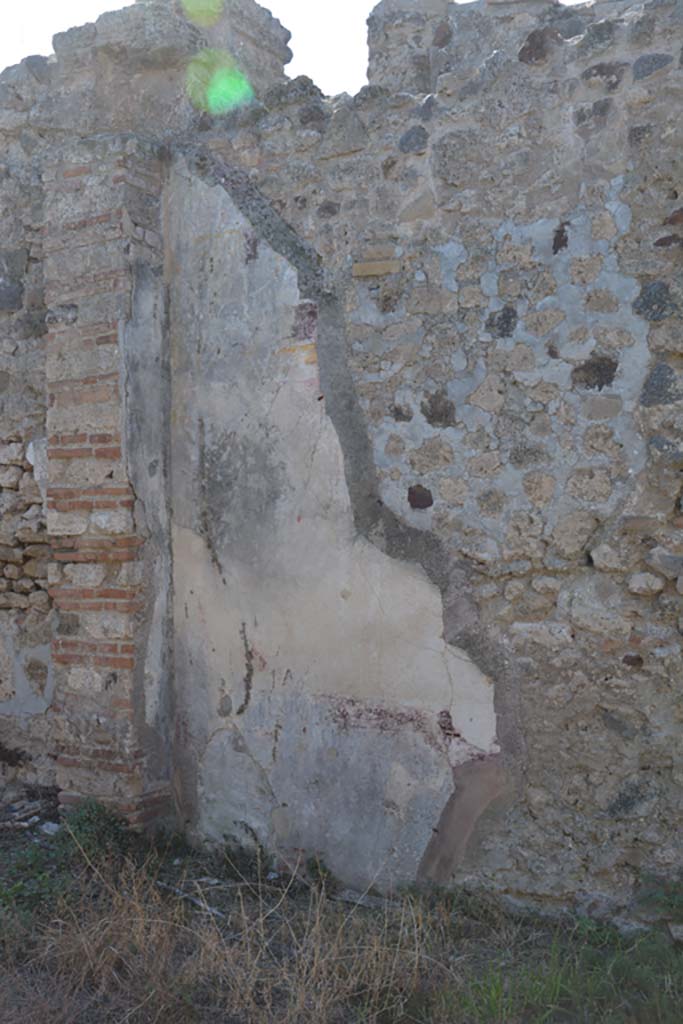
pixel 138 941
pixel 132 951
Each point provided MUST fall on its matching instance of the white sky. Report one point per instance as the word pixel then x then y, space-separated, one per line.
pixel 328 36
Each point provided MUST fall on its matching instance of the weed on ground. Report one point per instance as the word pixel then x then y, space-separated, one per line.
pixel 100 927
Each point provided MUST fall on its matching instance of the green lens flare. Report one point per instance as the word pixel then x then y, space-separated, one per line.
pixel 227 90
pixel 203 12
pixel 215 84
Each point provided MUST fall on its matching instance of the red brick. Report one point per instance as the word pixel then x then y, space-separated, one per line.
pixel 96 549
pixel 113 593
pixel 98 378
pixel 84 605
pixel 104 439
pixel 107 453
pixel 87 222
pixel 69 453
pixel 77 172
pixel 66 439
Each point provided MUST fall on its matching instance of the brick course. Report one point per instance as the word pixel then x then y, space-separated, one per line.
pixel 87 245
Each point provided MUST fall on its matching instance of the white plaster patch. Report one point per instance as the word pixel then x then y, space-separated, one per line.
pixel 306 612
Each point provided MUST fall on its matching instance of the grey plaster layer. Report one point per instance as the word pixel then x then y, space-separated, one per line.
pixel 146 388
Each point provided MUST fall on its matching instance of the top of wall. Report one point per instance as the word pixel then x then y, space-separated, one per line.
pixel 412 44
pixel 127 71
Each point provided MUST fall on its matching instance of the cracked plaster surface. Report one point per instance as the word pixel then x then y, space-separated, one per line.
pixel 328 621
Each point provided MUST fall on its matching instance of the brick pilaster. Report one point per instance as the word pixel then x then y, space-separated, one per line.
pixel 102 212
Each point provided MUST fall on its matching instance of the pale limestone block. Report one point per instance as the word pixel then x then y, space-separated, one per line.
pixel 645 583
pixel 486 464
pixel 603 226
pixel 573 531
pixel 590 483
pixel 543 321
pixel 435 453
pixel 585 269
pixel 376 268
pixel 10 477
pixel 84 574
pixel 11 453
pixel 453 490
pixel 539 487
pixel 490 395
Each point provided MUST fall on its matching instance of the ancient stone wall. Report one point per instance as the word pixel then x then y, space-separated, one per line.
pixel 363 428
pixel 26 680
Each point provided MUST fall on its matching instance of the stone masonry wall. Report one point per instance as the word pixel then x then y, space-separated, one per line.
pixel 26 683
pixel 363 427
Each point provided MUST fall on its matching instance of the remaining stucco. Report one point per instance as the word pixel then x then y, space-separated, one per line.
pixel 361 451
pixel 318 662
